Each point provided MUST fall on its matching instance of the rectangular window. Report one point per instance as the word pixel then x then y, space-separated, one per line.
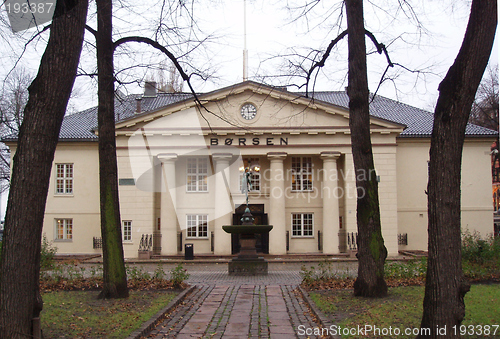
pixel 197 226
pixel 302 224
pixel 197 175
pixel 302 174
pixel 64 178
pixel 127 230
pixel 64 229
pixel 253 164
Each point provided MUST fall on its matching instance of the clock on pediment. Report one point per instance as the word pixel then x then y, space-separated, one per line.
pixel 248 111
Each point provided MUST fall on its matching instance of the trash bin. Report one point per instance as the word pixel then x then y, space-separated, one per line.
pixel 188 252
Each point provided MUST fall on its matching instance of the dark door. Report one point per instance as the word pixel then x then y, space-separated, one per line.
pixel 262 240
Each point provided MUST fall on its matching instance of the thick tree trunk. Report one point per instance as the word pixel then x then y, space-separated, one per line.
pixel 371 249
pixel 115 276
pixel 445 285
pixel 48 97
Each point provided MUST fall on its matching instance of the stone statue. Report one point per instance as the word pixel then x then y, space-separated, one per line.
pixel 246 183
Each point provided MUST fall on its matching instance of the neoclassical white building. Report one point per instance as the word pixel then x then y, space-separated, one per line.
pixel 180 167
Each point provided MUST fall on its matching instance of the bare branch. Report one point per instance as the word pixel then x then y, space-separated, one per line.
pixel 321 63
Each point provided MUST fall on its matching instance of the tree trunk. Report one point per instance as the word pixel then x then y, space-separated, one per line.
pixel 114 274
pixel 49 93
pixel 371 249
pixel 445 285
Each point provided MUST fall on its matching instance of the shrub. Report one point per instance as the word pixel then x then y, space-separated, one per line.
pixel 480 257
pixel 478 250
pixel 48 253
pixel 137 273
pixel 415 268
pixel 159 273
pixel 177 276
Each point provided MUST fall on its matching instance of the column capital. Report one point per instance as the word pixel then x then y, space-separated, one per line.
pixel 331 155
pixel 276 156
pixel 167 157
pixel 222 156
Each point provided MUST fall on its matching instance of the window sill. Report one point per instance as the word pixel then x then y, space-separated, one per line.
pixel 127 242
pixel 197 238
pixel 64 195
pixel 302 237
pixel 63 240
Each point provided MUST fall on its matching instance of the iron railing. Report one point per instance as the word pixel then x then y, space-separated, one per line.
pixel 352 241
pixel 146 243
pixel 403 239
pixel 97 242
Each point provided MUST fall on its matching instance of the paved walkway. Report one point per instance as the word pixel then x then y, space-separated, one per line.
pixel 224 307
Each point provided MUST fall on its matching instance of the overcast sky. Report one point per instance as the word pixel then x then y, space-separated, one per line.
pixel 271 31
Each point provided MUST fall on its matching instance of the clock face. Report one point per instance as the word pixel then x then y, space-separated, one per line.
pixel 248 111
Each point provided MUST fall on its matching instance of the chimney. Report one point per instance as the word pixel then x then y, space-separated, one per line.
pixel 138 102
pixel 150 89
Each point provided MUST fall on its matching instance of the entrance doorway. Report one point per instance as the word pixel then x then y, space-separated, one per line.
pixel 262 240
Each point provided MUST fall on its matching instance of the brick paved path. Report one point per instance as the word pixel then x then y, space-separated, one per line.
pixel 237 311
pixel 227 307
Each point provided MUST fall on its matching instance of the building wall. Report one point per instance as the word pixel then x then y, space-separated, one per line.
pixel 281 126
pixel 412 162
pixel 82 206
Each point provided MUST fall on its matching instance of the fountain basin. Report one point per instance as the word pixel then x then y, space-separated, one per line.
pixel 247 229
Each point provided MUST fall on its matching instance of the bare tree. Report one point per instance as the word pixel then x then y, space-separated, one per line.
pixel 485 107
pixel 169 79
pixel 49 93
pixel 12 102
pixel 114 273
pixel 371 249
pixel 445 287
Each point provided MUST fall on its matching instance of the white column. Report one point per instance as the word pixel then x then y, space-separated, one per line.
pixel 223 206
pixel 330 203
pixel 277 217
pixel 168 216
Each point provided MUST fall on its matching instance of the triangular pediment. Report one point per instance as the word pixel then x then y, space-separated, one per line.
pixel 273 110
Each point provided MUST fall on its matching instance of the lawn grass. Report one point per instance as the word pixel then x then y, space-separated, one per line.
pixel 79 314
pixel 403 308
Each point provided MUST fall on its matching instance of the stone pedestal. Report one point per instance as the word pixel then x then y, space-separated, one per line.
pixel 144 255
pixel 243 267
pixel 247 262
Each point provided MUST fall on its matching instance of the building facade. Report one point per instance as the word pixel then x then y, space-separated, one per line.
pixel 180 170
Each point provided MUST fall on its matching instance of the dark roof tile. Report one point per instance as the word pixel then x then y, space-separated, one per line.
pixel 418 122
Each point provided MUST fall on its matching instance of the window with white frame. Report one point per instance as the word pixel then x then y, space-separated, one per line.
pixel 64 229
pixel 197 175
pixel 127 230
pixel 254 166
pixel 64 178
pixel 302 176
pixel 197 225
pixel 302 224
